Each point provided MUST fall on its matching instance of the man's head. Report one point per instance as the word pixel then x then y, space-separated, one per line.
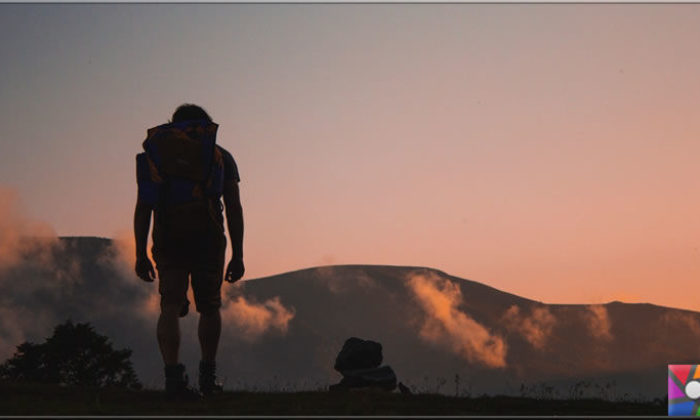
pixel 187 112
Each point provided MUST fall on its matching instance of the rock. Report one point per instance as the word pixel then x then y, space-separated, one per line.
pixel 382 378
pixel 358 362
pixel 358 354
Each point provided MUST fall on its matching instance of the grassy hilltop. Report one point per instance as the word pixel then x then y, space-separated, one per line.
pixel 30 399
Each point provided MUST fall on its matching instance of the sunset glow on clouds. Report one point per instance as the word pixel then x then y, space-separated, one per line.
pixel 43 282
pixel 254 318
pixel 249 319
pixel 446 323
pixel 18 233
pixel 599 323
pixel 535 327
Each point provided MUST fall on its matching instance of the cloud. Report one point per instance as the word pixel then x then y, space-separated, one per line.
pixel 536 328
pixel 254 319
pixel 341 279
pixel 446 324
pixel 46 280
pixel 598 322
pixel 120 255
pixel 32 270
pixel 12 331
pixel 689 320
pixel 19 235
pixel 251 319
pixel 24 239
pixel 40 292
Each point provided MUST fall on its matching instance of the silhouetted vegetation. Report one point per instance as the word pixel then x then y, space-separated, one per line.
pixel 74 355
pixel 33 399
pixel 77 372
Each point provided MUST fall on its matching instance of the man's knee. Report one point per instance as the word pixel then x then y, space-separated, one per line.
pixel 170 309
pixel 211 308
pixel 207 293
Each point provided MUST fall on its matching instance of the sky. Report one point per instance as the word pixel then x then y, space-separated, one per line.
pixel 547 150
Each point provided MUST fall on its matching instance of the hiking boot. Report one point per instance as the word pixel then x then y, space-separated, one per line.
pixel 207 379
pixel 176 384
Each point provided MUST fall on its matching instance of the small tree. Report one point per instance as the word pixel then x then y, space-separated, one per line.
pixel 74 355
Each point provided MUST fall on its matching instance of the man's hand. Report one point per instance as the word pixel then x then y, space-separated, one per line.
pixel 144 269
pixel 235 270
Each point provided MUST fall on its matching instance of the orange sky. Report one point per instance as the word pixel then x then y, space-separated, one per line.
pixel 547 150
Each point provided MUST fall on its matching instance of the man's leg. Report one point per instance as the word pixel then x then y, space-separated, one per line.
pixel 206 285
pixel 172 286
pixel 168 332
pixel 209 332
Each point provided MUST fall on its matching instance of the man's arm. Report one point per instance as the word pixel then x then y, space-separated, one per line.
pixel 142 223
pixel 234 219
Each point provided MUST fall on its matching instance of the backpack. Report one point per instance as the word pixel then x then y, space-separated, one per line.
pixel 180 174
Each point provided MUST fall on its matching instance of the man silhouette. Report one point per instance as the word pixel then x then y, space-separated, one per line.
pixel 181 178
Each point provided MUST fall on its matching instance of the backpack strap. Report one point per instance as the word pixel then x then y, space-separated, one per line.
pixel 148 179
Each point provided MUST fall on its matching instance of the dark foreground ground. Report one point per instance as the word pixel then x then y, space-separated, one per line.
pixel 25 399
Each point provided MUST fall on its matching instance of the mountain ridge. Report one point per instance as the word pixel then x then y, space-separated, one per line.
pixel 403 267
pixel 288 327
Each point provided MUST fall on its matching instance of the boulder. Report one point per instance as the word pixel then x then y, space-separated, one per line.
pixel 382 378
pixel 358 354
pixel 358 362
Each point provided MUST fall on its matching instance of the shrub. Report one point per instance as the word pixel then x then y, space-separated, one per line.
pixel 74 355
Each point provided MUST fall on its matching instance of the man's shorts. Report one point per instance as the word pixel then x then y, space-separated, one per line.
pixel 206 270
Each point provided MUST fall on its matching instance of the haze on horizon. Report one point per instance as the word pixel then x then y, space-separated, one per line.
pixel 547 150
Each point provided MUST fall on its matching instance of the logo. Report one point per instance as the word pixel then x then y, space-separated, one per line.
pixel 683 390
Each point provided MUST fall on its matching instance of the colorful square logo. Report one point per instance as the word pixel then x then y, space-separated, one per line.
pixel 683 390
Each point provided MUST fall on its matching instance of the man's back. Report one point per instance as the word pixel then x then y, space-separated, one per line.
pixel 194 229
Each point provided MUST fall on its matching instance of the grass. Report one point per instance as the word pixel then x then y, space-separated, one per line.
pixel 35 399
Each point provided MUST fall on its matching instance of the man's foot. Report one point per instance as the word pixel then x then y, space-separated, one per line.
pixel 176 384
pixel 207 379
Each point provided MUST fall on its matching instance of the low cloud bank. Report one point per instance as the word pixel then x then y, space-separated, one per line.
pixel 598 322
pixel 31 269
pixel 536 328
pixel 46 280
pixel 19 235
pixel 687 320
pixel 250 319
pixel 339 280
pixel 446 324
pixel 254 319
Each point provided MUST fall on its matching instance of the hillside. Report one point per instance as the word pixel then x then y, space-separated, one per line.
pixel 440 333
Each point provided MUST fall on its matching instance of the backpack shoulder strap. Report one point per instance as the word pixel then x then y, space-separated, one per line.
pixel 148 179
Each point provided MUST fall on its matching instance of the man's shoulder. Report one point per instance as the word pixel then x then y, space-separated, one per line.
pixel 230 166
pixel 222 150
pixel 225 154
